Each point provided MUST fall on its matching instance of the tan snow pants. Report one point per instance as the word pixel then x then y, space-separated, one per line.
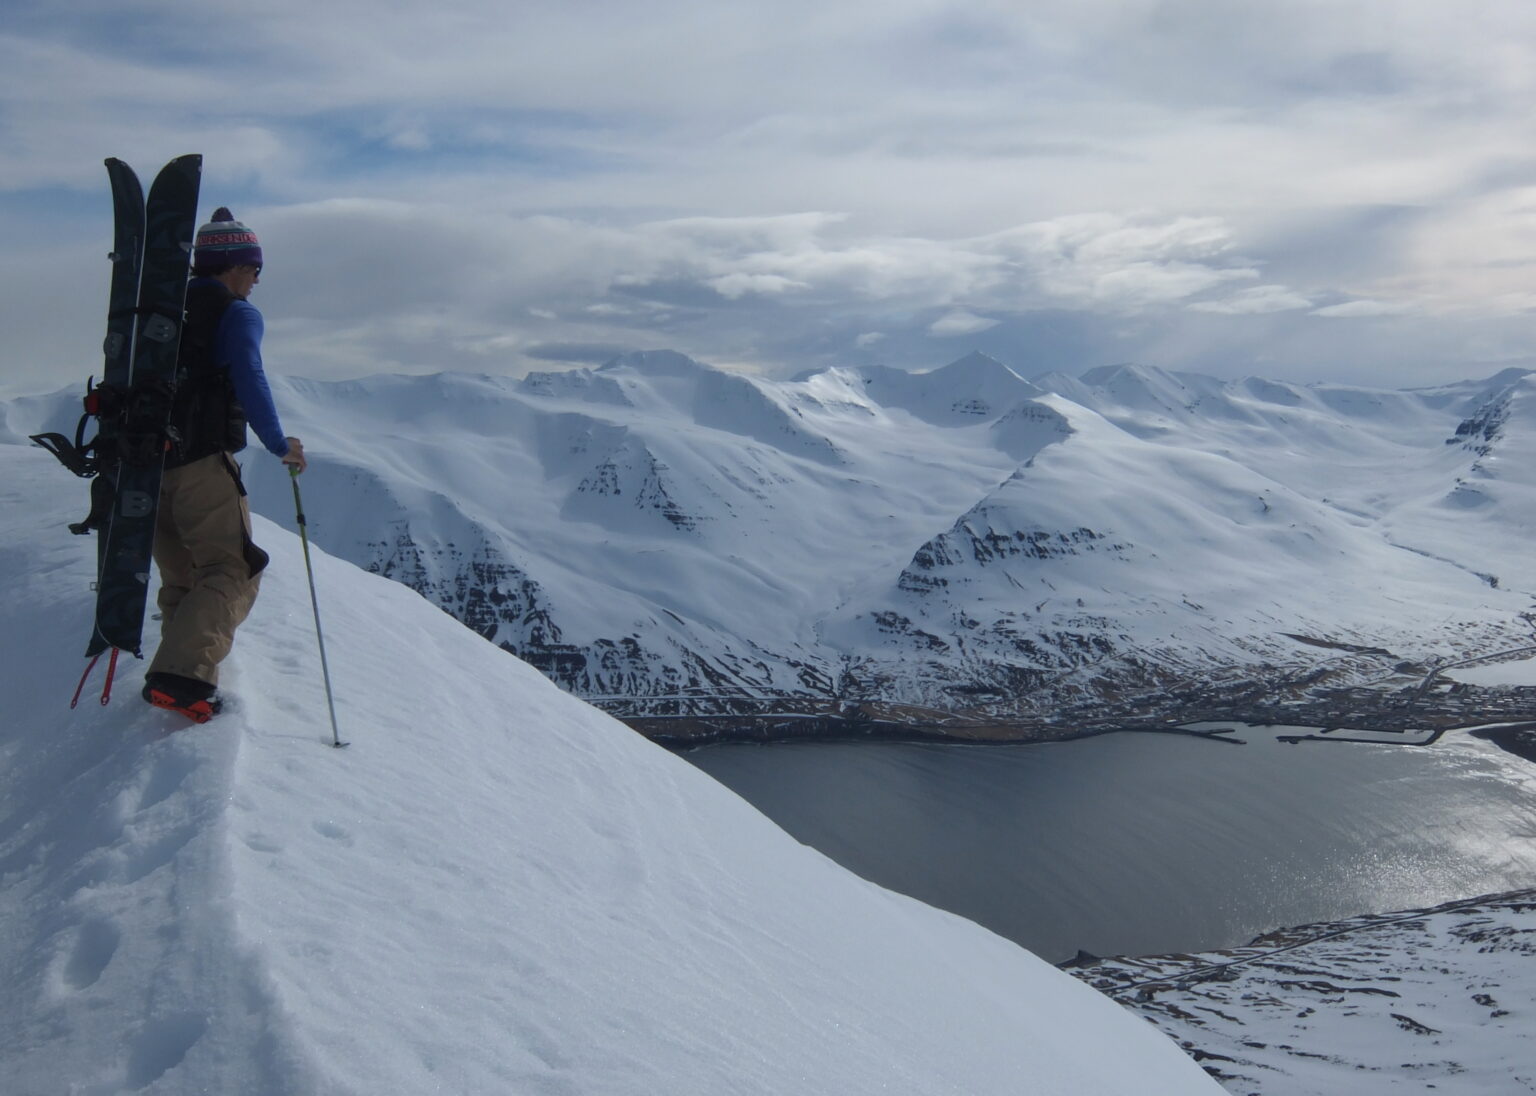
pixel 209 567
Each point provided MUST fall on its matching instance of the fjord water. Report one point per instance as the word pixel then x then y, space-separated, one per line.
pixel 1140 844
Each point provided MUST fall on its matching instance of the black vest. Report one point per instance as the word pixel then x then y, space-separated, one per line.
pixel 206 415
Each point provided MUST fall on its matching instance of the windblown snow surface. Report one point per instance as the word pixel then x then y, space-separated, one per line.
pixel 494 889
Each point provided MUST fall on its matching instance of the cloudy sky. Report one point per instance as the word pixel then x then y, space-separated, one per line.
pixel 1340 190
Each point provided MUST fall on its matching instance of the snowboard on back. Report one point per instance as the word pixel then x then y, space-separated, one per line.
pixel 152 246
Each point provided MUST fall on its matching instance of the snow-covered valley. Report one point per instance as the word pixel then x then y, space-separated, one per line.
pixel 961 548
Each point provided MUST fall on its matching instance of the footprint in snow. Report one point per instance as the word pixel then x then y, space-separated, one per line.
pixel 333 830
pixel 94 946
pixel 160 1046
pixel 167 774
pixel 260 842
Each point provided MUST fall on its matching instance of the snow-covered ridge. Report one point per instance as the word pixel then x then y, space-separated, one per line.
pixel 973 388
pixel 963 540
pixel 496 888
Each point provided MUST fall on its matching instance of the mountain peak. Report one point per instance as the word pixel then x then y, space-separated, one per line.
pixel 1511 375
pixel 1105 376
pixel 974 388
pixel 977 368
pixel 657 363
pixel 975 361
pixel 1143 390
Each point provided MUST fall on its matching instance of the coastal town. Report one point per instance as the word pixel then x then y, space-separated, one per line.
pixel 1409 705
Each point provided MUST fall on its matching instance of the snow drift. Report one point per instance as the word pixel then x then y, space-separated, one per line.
pixel 495 889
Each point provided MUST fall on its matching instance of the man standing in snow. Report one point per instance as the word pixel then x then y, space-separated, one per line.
pixel 209 567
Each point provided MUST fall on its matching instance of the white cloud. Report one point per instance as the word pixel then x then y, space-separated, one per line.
pixel 1100 261
pixel 1254 301
pixel 1364 308
pixel 740 283
pixel 960 322
pixel 1121 263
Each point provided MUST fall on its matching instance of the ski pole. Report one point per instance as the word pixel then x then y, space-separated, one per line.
pixel 314 601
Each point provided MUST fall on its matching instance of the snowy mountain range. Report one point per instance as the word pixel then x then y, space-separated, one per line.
pixel 667 538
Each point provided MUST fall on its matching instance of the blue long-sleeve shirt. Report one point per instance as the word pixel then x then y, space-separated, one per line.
pixel 237 348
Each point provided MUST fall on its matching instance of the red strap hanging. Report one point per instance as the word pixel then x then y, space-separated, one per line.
pixel 106 689
pixel 89 666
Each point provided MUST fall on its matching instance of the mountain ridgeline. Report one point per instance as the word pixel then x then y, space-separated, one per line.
pixel 960 548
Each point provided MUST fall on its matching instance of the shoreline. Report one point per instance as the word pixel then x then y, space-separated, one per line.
pixel 1510 730
pixel 772 730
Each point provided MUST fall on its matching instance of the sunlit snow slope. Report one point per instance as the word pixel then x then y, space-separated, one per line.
pixel 494 889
